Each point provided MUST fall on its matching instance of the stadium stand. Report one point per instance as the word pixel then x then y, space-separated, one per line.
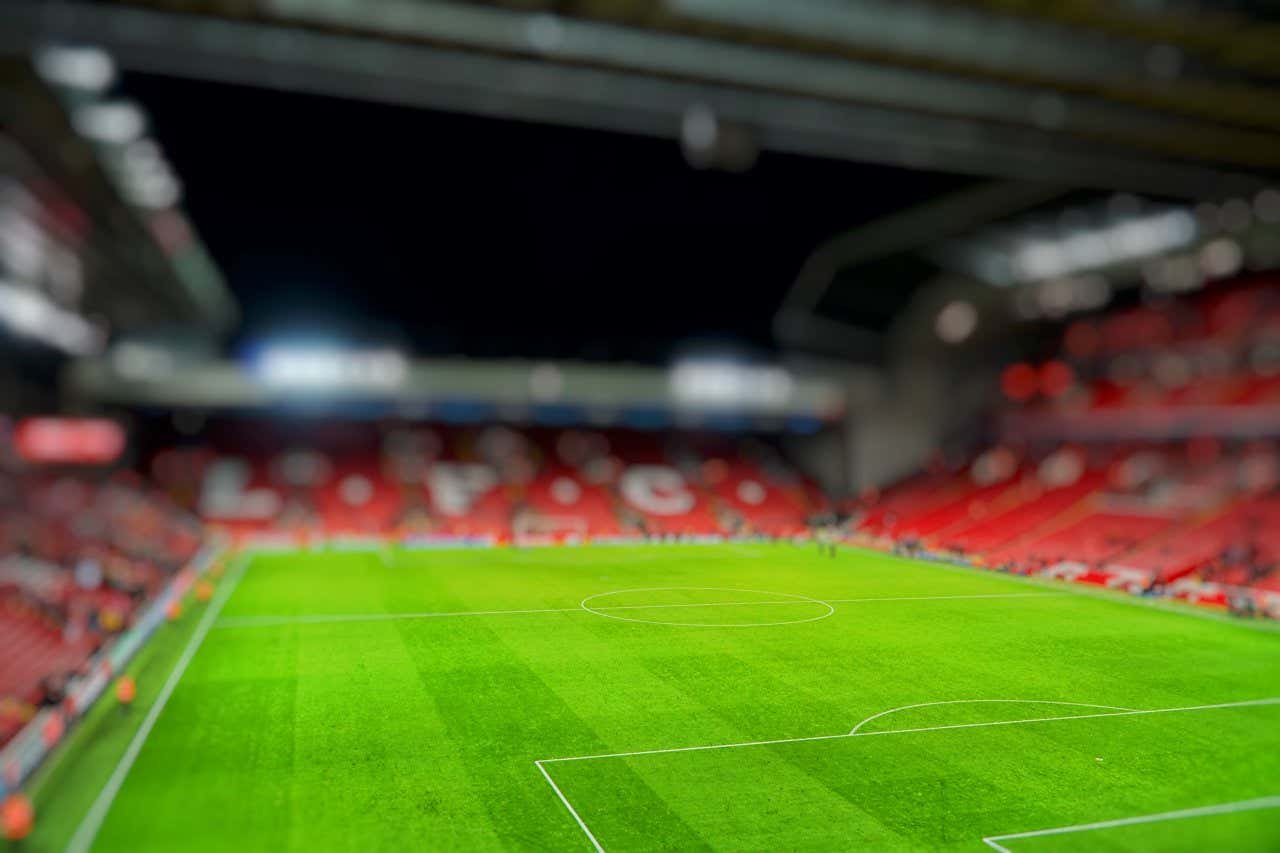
pixel 1219 528
pixel 1220 349
pixel 432 484
pixel 80 552
pixel 1174 487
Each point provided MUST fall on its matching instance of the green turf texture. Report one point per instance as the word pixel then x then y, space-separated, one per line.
pixel 292 733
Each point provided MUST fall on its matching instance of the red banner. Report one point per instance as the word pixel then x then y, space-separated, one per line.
pixel 74 441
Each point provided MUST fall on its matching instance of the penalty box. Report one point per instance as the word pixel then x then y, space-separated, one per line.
pixel 1031 776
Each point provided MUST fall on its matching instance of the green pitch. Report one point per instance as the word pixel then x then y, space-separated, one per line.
pixel 678 697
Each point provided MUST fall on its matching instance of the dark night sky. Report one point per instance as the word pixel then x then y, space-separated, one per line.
pixel 451 234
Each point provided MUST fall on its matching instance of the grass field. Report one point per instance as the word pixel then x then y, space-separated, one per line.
pixel 679 697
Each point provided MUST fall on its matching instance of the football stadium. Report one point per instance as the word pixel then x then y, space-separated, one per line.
pixel 593 425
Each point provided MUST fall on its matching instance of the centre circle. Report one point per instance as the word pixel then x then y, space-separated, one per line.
pixel 599 605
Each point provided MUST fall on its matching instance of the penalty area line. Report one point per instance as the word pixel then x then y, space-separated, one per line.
pixel 87 831
pixel 993 841
pixel 990 841
pixel 1248 703
pixel 577 817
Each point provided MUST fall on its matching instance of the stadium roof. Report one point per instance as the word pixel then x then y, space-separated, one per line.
pixel 1090 93
pixel 80 258
pixel 1163 99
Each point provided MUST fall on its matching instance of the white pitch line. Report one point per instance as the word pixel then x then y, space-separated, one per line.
pixel 87 831
pixel 581 824
pixel 323 618
pixel 1274 700
pixel 990 841
pixel 1203 811
pixel 796 601
pixel 806 600
pixel 856 728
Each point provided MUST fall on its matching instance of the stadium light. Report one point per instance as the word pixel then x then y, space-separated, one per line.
pixel 1132 238
pixel 1221 258
pixel 144 175
pixel 29 313
pixel 111 122
pixel 546 383
pixel 156 190
pixel 88 69
pixel 956 321
pixel 324 368
pixel 727 384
